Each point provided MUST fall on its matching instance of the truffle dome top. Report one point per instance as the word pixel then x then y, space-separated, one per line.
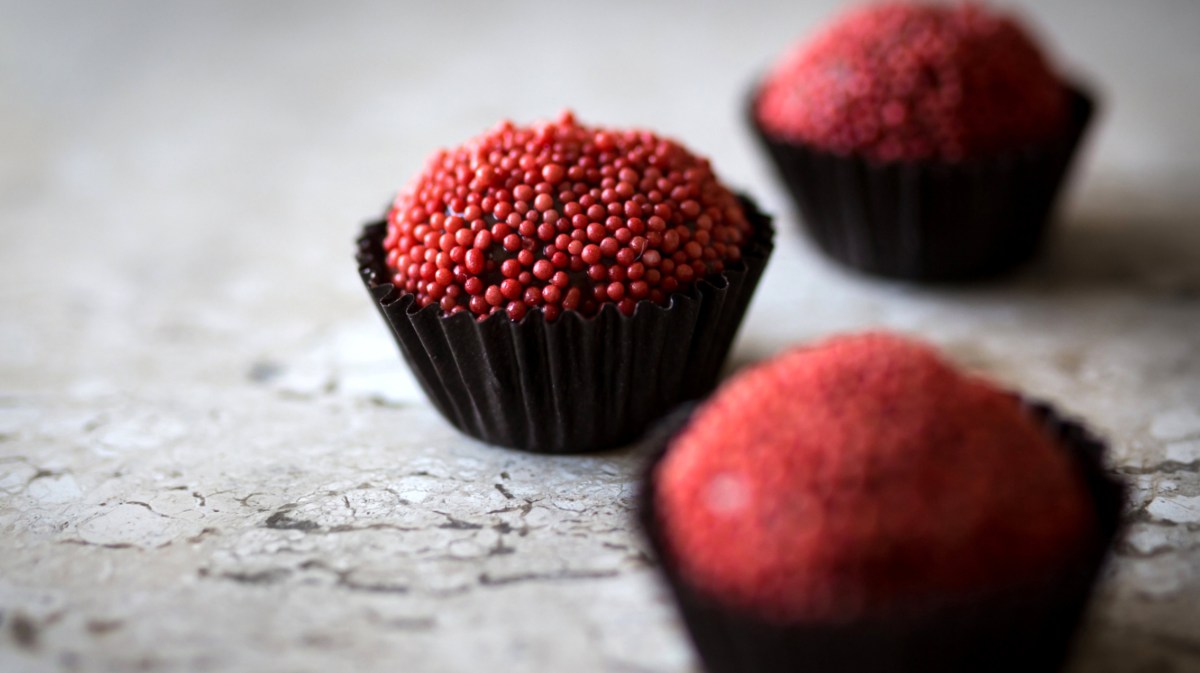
pixel 907 81
pixel 559 216
pixel 865 475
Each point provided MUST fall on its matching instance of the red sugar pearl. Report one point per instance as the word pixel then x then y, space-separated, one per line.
pixel 511 288
pixel 591 254
pixel 532 296
pixel 670 241
pixel 553 173
pixel 572 299
pixel 474 261
pixel 543 269
pixel 493 295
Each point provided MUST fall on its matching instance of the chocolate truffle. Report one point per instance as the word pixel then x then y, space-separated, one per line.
pixel 558 287
pixel 862 476
pixel 922 141
pixel 863 506
pixel 907 81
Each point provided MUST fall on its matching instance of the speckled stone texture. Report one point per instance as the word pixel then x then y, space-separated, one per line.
pixel 212 458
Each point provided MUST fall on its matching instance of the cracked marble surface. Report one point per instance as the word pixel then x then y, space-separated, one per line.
pixel 211 457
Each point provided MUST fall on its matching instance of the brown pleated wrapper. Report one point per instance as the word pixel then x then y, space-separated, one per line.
pixel 574 384
pixel 929 220
pixel 1027 628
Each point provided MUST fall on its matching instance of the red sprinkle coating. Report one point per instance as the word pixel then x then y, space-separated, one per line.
pixel 905 81
pixel 560 217
pixel 862 476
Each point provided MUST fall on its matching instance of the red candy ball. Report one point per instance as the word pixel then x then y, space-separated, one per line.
pixel 865 476
pixel 906 81
pixel 560 216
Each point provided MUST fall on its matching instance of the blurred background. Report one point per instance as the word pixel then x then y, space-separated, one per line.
pixel 181 184
pixel 146 145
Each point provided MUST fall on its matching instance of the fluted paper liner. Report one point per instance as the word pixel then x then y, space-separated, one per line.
pixel 1027 628
pixel 573 384
pixel 929 220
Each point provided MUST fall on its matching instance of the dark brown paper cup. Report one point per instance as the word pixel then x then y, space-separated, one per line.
pixel 929 220
pixel 573 384
pixel 1027 628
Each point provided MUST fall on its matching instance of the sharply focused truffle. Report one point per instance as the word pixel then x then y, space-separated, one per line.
pixel 561 216
pixel 558 287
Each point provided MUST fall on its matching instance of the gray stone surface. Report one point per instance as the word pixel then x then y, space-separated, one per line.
pixel 212 459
